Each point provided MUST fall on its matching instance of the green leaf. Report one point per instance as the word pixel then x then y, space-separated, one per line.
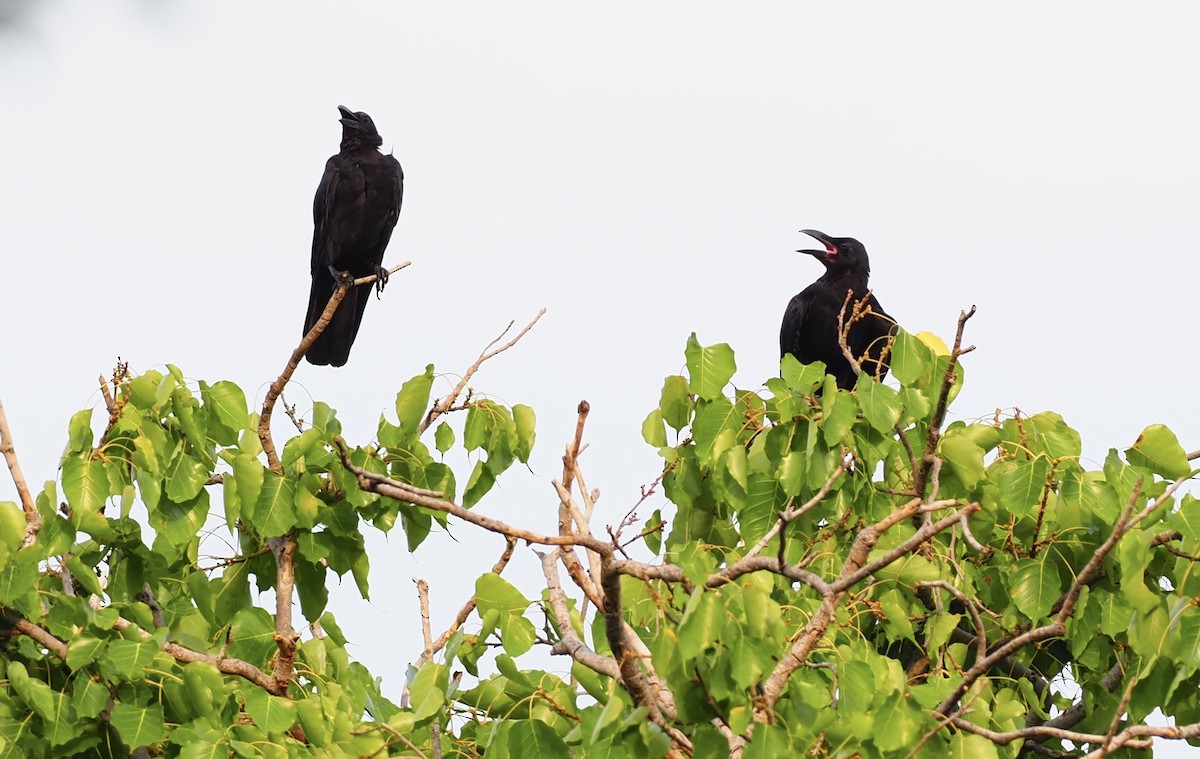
pixel 495 594
pixel 1034 586
pixel 138 726
pixel 675 402
pixel 478 427
pixel 880 404
pixel 701 624
pixel 36 694
pixel 275 511
pixel 443 437
pixel 710 368
pixel 79 432
pixel 534 738
pixel 896 723
pixel 1159 450
pixel 230 592
pixel 1022 485
pixel 226 403
pixel 480 482
pixel 802 378
pixel 128 659
pixel 82 651
pixel 85 483
pixel 12 526
pixel 962 455
pixel 525 420
pixel 911 358
pixel 252 635
pixel 84 576
pixel 412 402
pixel 88 697
pixel 653 431
pixel 272 713
pixel 185 477
pixel 180 523
pixel 428 695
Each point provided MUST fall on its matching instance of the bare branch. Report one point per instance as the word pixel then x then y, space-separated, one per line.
pixel 291 412
pixel 435 736
pixel 444 405
pixel 790 514
pixel 569 643
pixel 1058 627
pixel 276 389
pixel 33 519
pixel 286 639
pixel 469 606
pixel 847 580
pixel 237 667
pixel 377 483
pixel 929 458
pixel 435 725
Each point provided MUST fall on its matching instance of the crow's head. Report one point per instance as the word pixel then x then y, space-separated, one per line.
pixel 358 127
pixel 841 254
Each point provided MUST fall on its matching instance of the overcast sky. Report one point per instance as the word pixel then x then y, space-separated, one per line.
pixel 641 172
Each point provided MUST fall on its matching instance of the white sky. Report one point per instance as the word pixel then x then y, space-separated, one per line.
pixel 641 172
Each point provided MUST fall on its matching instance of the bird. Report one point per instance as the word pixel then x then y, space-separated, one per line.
pixel 810 324
pixel 354 211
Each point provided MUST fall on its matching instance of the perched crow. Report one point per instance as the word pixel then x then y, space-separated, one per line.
pixel 354 212
pixel 810 324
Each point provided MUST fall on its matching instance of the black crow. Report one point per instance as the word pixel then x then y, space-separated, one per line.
pixel 356 207
pixel 810 324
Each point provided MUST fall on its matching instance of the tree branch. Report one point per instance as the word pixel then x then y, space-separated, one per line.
pixel 33 519
pixel 790 514
pixel 57 647
pixel 377 483
pixel 1056 628
pixel 447 403
pixel 268 407
pixel 284 549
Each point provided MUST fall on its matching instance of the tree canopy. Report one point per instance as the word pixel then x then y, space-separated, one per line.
pixel 836 573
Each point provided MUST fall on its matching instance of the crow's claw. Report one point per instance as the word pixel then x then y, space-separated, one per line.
pixel 381 280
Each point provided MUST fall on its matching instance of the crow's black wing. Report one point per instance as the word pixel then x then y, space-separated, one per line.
pixel 325 349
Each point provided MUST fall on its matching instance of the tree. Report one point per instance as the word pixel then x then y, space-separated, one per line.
pixel 842 574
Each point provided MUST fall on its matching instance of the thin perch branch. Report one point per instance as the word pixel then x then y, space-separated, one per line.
pixel 268 407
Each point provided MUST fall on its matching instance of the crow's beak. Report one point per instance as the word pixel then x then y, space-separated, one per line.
pixel 348 118
pixel 830 249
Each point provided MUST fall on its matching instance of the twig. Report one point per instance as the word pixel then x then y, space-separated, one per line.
pixel 1058 627
pixel 1108 746
pixel 469 606
pixel 291 412
pixel 855 568
pixel 377 483
pixel 980 635
pixel 276 389
pixel 182 654
pixel 426 633
pixel 33 519
pixel 444 405
pixel 435 725
pixel 404 739
pixel 790 514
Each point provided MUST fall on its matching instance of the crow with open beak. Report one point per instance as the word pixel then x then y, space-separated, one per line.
pixel 810 323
